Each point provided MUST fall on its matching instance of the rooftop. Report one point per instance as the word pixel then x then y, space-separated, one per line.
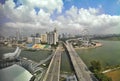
pixel 14 73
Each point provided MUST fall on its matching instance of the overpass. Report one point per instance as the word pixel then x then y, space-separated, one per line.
pixel 53 71
pixel 81 70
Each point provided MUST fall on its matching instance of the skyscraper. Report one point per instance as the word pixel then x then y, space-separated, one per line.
pixel 52 37
pixel 44 38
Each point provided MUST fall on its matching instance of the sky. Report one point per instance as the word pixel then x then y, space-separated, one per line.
pixel 68 16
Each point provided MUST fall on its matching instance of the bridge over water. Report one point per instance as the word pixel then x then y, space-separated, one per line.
pixel 81 70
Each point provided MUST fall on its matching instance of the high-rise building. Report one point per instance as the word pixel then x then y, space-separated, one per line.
pixel 44 38
pixel 18 36
pixel 36 40
pixel 52 37
pixel 29 39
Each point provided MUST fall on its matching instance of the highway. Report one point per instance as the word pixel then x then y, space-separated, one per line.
pixel 81 70
pixel 53 71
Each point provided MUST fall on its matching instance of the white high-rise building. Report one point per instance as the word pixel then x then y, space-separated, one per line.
pixel 29 39
pixel 55 36
pixel 52 37
pixel 44 38
pixel 36 40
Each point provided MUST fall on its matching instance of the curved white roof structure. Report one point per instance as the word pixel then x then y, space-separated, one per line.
pixel 15 73
pixel 12 56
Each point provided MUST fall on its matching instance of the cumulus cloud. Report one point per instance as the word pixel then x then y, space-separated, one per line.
pixel 25 15
pixel 73 20
pixel 90 19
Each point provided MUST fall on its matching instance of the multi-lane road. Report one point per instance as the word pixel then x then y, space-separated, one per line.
pixel 53 71
pixel 81 70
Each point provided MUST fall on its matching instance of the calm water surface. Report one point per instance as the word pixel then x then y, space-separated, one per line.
pixel 108 54
pixel 36 56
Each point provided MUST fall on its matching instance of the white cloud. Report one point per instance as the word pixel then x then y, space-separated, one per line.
pixel 71 21
pixel 96 23
pixel 48 5
pixel 25 15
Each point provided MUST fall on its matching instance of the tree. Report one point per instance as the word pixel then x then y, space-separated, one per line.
pixel 95 66
pixel 102 77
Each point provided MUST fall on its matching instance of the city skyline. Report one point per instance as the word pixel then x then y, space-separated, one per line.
pixel 59 40
pixel 71 16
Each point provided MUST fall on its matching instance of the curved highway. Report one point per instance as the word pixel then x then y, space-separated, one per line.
pixel 81 70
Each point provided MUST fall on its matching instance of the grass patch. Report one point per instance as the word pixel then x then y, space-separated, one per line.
pixel 115 75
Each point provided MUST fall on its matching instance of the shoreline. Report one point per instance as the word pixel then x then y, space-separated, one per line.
pixel 112 69
pixel 98 44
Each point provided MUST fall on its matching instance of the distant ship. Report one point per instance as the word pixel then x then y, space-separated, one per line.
pixel 12 56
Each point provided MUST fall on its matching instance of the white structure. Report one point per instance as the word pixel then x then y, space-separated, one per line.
pixel 52 37
pixel 29 39
pixel 86 43
pixel 36 40
pixel 86 38
pixel 15 73
pixel 55 36
pixel 44 38
pixel 12 56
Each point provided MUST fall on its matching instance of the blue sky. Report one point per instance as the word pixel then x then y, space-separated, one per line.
pixel 99 16
pixel 108 6
pixel 111 7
